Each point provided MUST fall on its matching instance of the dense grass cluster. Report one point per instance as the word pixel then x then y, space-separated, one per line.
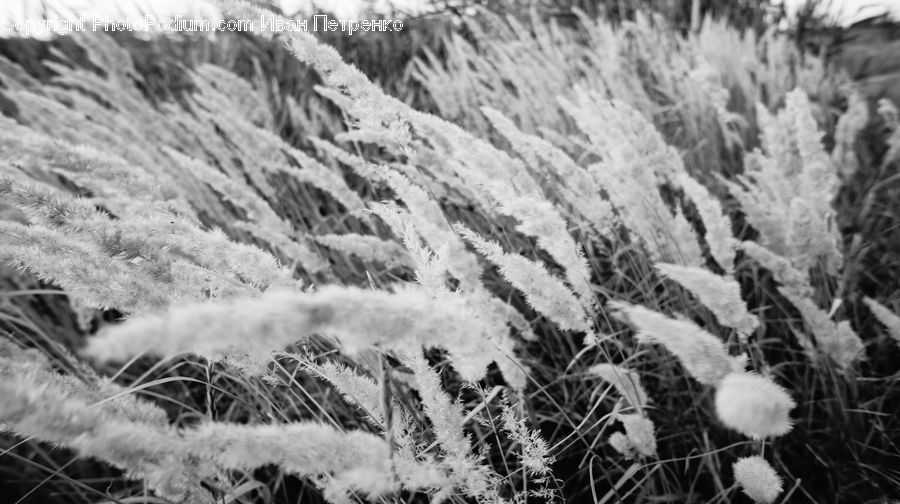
pixel 610 263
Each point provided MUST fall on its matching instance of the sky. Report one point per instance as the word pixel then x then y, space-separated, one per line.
pixel 846 11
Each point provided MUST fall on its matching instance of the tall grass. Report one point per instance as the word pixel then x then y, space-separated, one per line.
pixel 608 269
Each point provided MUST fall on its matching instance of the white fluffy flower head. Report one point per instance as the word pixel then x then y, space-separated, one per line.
pixel 753 405
pixel 758 479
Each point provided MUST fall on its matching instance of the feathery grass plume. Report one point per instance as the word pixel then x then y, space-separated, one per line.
pixel 620 133
pixel 265 223
pixel 797 178
pixel 431 267
pixel 666 237
pixel 367 247
pixel 355 389
pixel 368 104
pixel 810 238
pixel 249 102
pixel 432 226
pixel 753 405
pixel 837 340
pixel 359 165
pixel 818 174
pixel 709 92
pixel 477 155
pixel 891 117
pixel 639 438
pixel 535 454
pixel 764 196
pixel 39 406
pixel 318 175
pixel 81 269
pixel 115 183
pixel 545 293
pixel 173 462
pixel 540 219
pixel 245 331
pixel 885 316
pixel 626 382
pixel 470 361
pixel 703 355
pixel 153 234
pixel 720 294
pixel 447 420
pixel 446 416
pixel 636 162
pixel 352 462
pixel 758 479
pixel 33 366
pixel 818 179
pixel 848 127
pixel 620 442
pixel 574 185
pixel 160 245
pixel 722 244
pixel 789 277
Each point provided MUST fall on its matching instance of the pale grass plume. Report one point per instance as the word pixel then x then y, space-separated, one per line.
pixel 884 315
pixel 764 193
pixel 703 355
pixel 354 461
pixel 758 479
pixel 794 178
pixel 544 292
pixel 33 366
pixel 722 244
pixel 315 173
pixel 574 185
pixel 788 276
pixel 431 224
pixel 173 462
pixel 541 220
pixel 165 251
pixel 366 247
pixel 626 382
pixel 263 222
pixel 446 416
pixel 891 117
pixel 620 442
pixel 534 452
pixel 837 340
pixel 849 126
pixel 41 407
pixel 245 331
pixel 754 405
pixel 636 162
pixel 722 295
pixel 640 436
pixel 81 269
pixel 448 420
pixel 431 267
pixel 355 388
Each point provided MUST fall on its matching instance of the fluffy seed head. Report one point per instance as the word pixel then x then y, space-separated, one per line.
pixel 640 431
pixel 759 481
pixel 753 405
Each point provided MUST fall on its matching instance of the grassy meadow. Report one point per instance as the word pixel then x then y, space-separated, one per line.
pixel 496 257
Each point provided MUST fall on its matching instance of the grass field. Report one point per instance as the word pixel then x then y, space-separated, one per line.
pixel 515 259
